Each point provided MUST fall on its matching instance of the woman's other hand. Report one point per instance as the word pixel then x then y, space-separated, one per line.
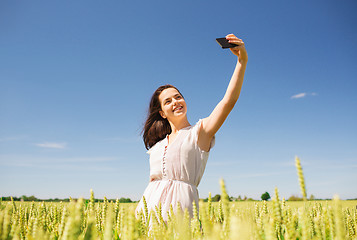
pixel 240 50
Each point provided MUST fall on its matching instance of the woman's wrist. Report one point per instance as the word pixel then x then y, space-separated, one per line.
pixel 241 62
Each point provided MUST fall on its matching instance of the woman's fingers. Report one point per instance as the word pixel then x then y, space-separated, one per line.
pixel 233 39
pixel 237 42
pixel 232 36
pixel 239 50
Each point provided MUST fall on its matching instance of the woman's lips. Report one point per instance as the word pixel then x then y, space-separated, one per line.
pixel 178 108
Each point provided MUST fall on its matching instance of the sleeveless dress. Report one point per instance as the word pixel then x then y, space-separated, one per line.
pixel 175 172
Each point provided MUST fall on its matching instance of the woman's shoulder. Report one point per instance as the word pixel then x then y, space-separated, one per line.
pixel 196 132
pixel 196 128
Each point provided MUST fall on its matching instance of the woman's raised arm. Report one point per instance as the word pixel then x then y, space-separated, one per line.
pixel 211 124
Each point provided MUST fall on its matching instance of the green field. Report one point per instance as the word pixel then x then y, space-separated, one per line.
pixel 275 219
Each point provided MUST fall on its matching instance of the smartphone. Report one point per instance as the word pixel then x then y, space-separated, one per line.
pixel 223 42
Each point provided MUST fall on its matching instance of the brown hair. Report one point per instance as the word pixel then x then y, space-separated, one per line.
pixel 156 127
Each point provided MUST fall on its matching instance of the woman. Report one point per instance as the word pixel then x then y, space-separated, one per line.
pixel 179 151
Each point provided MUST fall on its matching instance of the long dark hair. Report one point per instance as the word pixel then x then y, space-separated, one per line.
pixel 156 127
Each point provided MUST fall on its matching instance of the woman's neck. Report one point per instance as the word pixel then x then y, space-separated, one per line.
pixel 176 126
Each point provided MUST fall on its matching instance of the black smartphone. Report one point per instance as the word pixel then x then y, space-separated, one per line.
pixel 223 42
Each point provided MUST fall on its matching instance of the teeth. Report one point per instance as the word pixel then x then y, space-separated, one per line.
pixel 178 108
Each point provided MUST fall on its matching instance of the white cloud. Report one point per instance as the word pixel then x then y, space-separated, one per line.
pixel 299 95
pixel 302 95
pixel 52 145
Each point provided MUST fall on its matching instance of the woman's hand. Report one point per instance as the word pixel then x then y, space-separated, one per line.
pixel 240 50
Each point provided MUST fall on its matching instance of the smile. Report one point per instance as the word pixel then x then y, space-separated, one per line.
pixel 178 108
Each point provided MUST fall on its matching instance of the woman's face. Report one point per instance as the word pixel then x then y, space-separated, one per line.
pixel 172 104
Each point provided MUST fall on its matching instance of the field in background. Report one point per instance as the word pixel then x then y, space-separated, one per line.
pixel 276 219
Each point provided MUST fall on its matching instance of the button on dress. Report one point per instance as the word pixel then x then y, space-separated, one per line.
pixel 175 172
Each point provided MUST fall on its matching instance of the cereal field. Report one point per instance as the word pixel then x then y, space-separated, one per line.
pixel 276 219
pixel 224 220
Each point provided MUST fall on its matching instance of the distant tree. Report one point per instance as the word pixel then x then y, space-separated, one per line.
pixel 125 200
pixel 245 198
pixel 312 197
pixel 239 198
pixel 265 196
pixel 294 198
pixel 216 198
pixel 32 198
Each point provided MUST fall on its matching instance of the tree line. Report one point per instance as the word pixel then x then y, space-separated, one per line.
pixel 34 199
pixel 265 196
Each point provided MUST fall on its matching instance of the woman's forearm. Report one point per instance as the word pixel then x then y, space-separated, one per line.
pixel 235 85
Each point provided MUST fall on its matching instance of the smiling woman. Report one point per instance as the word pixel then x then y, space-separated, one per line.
pixel 179 151
pixel 157 125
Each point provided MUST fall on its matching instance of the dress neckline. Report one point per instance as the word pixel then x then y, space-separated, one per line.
pixel 178 133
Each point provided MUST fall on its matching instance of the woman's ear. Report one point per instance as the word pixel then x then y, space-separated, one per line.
pixel 162 114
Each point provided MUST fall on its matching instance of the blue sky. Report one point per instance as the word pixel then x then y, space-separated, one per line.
pixel 76 78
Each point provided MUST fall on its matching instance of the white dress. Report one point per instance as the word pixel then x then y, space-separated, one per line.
pixel 175 172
